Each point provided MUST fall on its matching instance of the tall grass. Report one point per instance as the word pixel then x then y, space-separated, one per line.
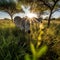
pixel 14 43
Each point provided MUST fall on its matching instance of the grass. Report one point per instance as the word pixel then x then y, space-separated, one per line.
pixel 14 42
pixel 52 38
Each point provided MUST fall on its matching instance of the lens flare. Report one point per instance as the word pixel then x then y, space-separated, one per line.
pixel 31 15
pixel 27 12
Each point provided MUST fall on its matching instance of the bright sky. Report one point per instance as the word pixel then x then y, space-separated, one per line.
pixel 54 15
pixel 27 12
pixel 5 15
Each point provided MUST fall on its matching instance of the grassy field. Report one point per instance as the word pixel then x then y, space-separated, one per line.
pixel 13 41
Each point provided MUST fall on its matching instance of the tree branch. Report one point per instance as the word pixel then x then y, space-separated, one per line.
pixel 56 10
pixel 43 1
pixel 55 2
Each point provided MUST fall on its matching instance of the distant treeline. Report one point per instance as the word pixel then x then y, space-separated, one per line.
pixel 53 18
pixel 5 19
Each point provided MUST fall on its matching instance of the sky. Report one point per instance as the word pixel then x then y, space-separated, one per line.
pixel 6 15
pixel 27 11
pixel 55 15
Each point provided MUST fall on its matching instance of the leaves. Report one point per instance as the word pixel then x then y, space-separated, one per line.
pixel 33 50
pixel 42 51
pixel 27 57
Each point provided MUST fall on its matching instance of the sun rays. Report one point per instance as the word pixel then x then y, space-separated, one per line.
pixel 28 13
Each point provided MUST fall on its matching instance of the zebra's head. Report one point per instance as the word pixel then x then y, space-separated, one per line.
pixel 22 23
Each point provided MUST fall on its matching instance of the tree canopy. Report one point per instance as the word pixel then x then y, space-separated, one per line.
pixel 9 6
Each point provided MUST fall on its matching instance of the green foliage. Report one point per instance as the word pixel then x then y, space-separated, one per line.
pixel 14 45
pixel 52 38
pixel 27 57
pixel 12 42
pixel 42 51
pixel 37 32
pixel 36 53
pixel 32 49
pixel 4 4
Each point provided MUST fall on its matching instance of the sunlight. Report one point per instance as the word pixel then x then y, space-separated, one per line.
pixel 28 13
pixel 31 15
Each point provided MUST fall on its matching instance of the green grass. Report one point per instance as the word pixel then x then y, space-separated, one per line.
pixel 14 42
pixel 52 38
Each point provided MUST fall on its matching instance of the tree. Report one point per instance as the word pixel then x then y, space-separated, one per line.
pixel 36 6
pixel 9 6
pixel 52 6
pixel 42 5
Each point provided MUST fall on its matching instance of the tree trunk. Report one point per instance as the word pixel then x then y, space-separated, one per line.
pixel 11 15
pixel 49 19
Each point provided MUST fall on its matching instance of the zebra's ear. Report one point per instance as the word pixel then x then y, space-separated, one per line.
pixel 17 21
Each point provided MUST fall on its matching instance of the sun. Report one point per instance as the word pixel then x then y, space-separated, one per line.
pixel 27 12
pixel 31 15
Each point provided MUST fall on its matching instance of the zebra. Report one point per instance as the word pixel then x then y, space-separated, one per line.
pixel 22 23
